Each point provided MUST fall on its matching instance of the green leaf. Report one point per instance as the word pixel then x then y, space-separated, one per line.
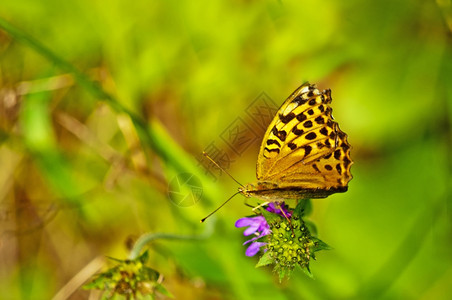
pixel 312 228
pixel 149 274
pixel 284 272
pixel 115 259
pixel 265 260
pixel 162 290
pixel 320 245
pixel 307 271
pixel 101 282
pixel 36 122
pixel 37 130
pixel 303 208
pixel 143 258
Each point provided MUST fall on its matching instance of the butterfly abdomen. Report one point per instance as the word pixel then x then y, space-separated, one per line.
pixel 294 193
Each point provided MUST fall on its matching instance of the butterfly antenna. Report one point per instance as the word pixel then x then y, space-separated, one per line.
pixel 219 167
pixel 202 220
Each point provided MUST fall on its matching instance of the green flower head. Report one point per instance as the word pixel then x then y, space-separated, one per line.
pixel 288 241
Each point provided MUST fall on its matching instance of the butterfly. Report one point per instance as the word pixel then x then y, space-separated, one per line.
pixel 304 154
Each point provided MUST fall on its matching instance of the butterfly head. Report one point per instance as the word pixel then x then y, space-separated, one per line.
pixel 245 190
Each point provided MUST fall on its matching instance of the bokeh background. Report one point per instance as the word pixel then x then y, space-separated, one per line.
pixel 83 174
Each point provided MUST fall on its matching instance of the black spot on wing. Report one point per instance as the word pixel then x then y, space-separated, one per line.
pixel 299 100
pixel 286 119
pixel 271 141
pixel 279 134
pixel 319 120
pixel 316 168
pixel 272 150
pixel 297 131
pixel 347 161
pixel 328 94
pixel 301 117
pixel 282 135
pixel 307 150
pixel 311 136
pixel 338 168
pixel 307 124
pixel 292 146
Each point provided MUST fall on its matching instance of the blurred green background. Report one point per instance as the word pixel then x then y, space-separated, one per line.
pixel 83 175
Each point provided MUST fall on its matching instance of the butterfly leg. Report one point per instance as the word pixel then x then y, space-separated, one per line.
pixel 254 208
pixel 278 204
pixel 260 205
pixel 247 204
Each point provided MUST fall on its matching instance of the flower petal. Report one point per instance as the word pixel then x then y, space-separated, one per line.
pixel 244 222
pixel 271 208
pixel 266 231
pixel 250 230
pixel 279 208
pixel 251 240
pixel 254 248
pixel 255 224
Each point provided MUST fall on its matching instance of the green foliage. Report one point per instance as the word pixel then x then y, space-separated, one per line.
pixel 265 260
pixel 131 279
pixel 303 208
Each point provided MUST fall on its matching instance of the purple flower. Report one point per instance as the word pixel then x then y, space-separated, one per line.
pixel 279 208
pixel 257 226
pixel 254 248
